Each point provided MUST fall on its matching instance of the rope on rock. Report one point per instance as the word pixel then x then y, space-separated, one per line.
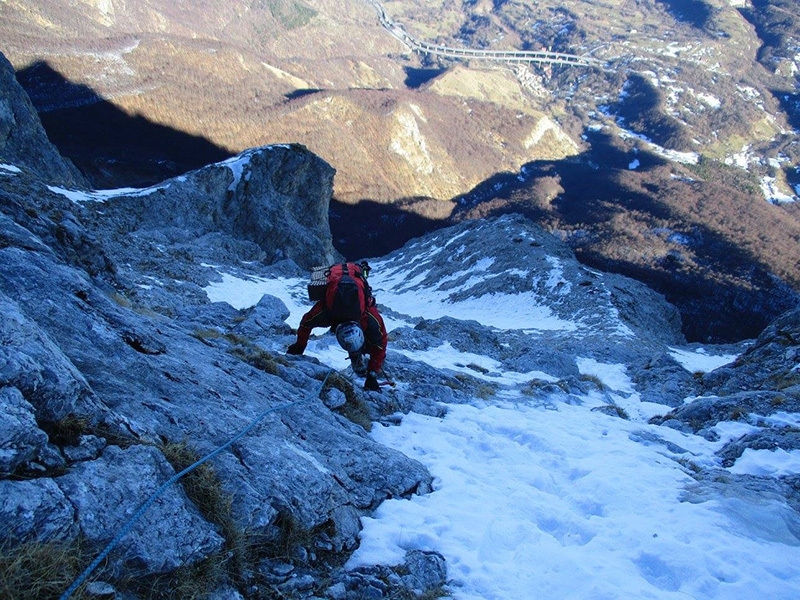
pixel 143 508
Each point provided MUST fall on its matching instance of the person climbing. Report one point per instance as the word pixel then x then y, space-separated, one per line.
pixel 344 302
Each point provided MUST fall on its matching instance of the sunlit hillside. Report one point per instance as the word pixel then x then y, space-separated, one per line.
pixel 674 162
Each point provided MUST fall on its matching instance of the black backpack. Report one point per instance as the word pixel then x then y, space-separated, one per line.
pixel 344 289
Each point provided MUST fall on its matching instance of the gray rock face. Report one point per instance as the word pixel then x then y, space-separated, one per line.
pixel 23 142
pixel 35 365
pixel 771 363
pixel 663 381
pixel 35 510
pixel 762 381
pixel 20 438
pixel 109 348
pixel 36 217
pixel 275 197
pixel 107 492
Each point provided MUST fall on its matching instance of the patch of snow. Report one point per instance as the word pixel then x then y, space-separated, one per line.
pixel 518 273
pixel 397 287
pixel 710 100
pixel 244 293
pixel 767 463
pixel 782 419
pixel 457 237
pixel 771 191
pixel 700 361
pixel 237 166
pixel 613 376
pixel 555 278
pixel 535 502
pixel 79 196
pixel 742 159
pixel 731 430
pixel 476 365
pixel 673 49
pixel 749 92
pixel 687 158
pixel 521 311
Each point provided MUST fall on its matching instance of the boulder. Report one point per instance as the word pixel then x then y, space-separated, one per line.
pixel 20 438
pixel 35 511
pixel 106 494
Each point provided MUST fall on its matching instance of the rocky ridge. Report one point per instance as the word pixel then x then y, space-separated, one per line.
pixel 116 371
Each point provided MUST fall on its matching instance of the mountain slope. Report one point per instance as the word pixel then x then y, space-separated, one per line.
pixel 567 454
pixel 705 89
pixel 146 328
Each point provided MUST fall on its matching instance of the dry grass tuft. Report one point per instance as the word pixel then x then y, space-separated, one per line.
pixel 41 570
pixel 204 489
pixel 354 408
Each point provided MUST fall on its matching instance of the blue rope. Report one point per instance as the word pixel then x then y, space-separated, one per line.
pixel 143 508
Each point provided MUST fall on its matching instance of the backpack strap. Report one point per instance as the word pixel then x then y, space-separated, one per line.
pixel 363 277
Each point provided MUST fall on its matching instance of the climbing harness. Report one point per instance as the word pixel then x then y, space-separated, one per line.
pixel 143 508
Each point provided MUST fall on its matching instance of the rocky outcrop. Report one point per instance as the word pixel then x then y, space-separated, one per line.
pixel 23 142
pixel 763 380
pixel 275 197
pixel 124 380
pixel 105 371
pixel 772 362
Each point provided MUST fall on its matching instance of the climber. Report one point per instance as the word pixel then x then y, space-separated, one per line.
pixel 349 309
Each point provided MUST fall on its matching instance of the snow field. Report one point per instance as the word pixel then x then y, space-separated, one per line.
pixel 554 500
pixel 536 503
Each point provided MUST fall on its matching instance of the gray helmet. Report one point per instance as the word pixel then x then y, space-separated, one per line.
pixel 350 336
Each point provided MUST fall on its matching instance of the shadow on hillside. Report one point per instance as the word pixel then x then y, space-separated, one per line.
pixel 110 147
pixel 590 175
pixel 416 78
pixel 790 103
pixel 301 93
pixel 694 12
pixel 370 229
pixel 599 206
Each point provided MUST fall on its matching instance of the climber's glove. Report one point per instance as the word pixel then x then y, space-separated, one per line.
pixel 371 382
